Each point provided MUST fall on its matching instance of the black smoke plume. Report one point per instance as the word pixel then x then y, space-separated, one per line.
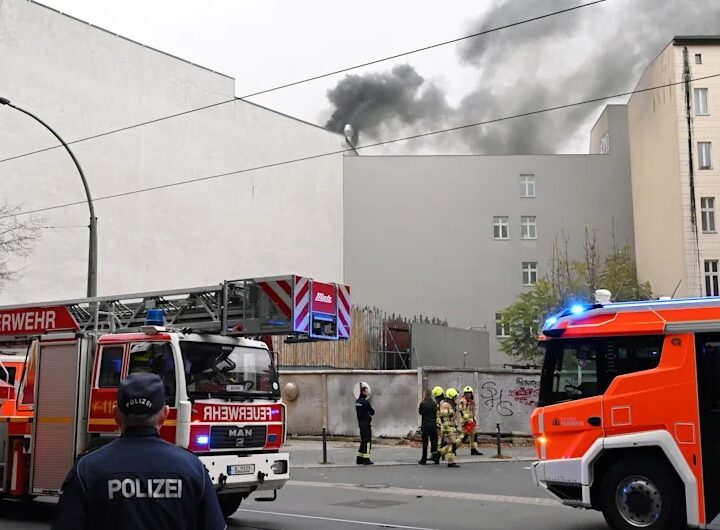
pixel 588 53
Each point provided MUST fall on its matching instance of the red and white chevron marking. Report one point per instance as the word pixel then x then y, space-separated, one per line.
pixel 280 292
pixel 302 305
pixel 344 322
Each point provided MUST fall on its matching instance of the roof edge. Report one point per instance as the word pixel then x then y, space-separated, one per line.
pixel 129 39
pixel 696 39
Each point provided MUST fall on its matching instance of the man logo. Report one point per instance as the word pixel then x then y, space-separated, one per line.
pixel 240 433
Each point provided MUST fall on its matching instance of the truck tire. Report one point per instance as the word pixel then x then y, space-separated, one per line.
pixel 642 493
pixel 229 503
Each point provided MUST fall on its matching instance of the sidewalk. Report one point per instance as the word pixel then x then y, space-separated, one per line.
pixel 308 453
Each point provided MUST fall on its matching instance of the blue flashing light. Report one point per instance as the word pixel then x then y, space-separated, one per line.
pixel 576 309
pixel 202 439
pixel 551 322
pixel 155 317
pixel 272 438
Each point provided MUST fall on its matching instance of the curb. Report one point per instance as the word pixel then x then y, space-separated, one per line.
pixel 486 460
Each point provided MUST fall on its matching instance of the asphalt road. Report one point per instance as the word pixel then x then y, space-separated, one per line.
pixel 483 495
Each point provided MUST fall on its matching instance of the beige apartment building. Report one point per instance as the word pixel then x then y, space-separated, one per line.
pixel 674 143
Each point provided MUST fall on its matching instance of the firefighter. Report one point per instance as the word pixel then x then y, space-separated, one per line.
pixel 365 413
pixel 466 410
pixel 139 481
pixel 448 420
pixel 438 393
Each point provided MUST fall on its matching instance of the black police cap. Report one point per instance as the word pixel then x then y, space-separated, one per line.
pixel 141 394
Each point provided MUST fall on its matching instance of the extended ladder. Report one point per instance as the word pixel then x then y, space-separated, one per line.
pixel 283 305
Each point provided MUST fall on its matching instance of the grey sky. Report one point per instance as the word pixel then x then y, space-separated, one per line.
pixel 591 52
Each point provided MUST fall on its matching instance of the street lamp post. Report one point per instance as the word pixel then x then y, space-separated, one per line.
pixel 92 250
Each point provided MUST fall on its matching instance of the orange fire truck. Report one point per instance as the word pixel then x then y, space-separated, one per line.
pixel 222 386
pixel 628 418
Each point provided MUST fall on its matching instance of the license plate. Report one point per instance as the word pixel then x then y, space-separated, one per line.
pixel 244 469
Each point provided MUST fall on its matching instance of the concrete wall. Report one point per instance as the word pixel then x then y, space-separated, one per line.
pixel 507 398
pixel 445 346
pixel 83 80
pixel 325 398
pixel 419 233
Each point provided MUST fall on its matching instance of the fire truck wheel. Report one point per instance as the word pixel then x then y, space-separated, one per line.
pixel 642 493
pixel 229 503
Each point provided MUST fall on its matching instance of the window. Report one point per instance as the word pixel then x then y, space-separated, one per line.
pixel 500 329
pixel 698 58
pixel 707 213
pixel 529 227
pixel 527 185
pixel 501 228
pixel 701 102
pixel 711 278
pixel 228 372
pixel 529 272
pixel 155 358
pixel 110 366
pixel 581 368
pixel 705 155
pixel 9 378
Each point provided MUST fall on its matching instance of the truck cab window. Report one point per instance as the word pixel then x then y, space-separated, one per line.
pixel 581 368
pixel 155 358
pixel 10 377
pixel 110 366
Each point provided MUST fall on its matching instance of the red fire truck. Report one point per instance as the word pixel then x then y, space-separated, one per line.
pixel 222 385
pixel 628 420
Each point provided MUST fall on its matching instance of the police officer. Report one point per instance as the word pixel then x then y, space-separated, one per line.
pixel 466 409
pixel 448 420
pixel 139 481
pixel 365 413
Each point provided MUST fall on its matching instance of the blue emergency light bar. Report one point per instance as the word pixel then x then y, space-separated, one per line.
pixel 155 317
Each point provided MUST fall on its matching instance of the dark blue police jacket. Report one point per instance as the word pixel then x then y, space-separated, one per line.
pixel 139 481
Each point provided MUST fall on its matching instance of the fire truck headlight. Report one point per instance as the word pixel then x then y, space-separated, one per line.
pixel 202 439
pixel 280 467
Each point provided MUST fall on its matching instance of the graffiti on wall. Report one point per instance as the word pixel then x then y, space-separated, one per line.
pixel 522 392
pixel 525 391
pixel 493 399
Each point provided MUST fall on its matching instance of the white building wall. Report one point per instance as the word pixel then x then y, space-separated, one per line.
pixel 705 129
pixel 669 252
pixel 83 81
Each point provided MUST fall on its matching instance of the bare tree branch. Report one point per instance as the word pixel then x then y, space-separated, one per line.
pixel 17 236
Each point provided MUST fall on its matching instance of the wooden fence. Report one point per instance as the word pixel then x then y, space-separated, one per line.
pixel 365 349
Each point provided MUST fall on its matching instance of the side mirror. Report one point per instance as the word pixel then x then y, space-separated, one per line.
pixel 183 423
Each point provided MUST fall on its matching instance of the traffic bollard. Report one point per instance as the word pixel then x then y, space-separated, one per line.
pixel 324 442
pixel 499 445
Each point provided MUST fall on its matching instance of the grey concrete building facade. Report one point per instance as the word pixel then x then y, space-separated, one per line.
pixel 459 237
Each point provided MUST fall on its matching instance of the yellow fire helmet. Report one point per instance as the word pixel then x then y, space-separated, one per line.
pixel 437 391
pixel 451 393
pixel 467 389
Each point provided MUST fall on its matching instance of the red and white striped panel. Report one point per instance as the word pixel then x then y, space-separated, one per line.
pixel 280 292
pixel 302 305
pixel 344 321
